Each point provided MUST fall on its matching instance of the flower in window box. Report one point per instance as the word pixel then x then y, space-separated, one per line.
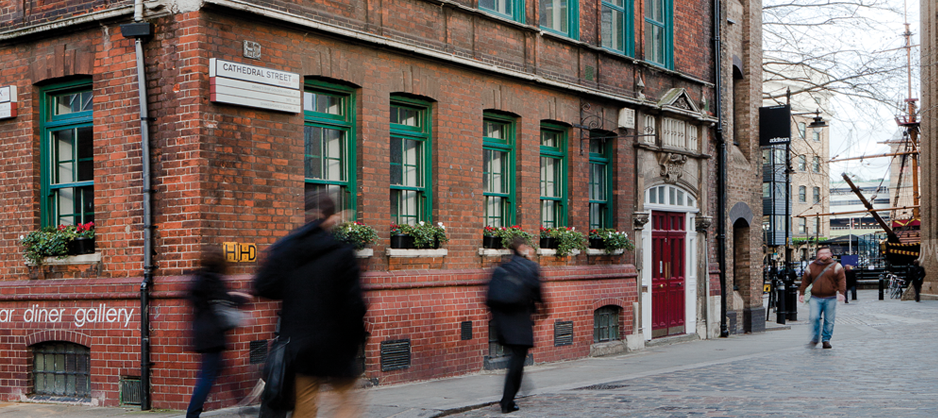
pixel 564 239
pixel 610 240
pixel 355 234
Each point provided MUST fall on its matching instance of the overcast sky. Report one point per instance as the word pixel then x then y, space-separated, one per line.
pixel 858 127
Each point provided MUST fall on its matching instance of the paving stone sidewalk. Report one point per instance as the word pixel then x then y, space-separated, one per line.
pixel 883 363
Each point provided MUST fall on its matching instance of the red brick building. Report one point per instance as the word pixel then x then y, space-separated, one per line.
pixel 464 112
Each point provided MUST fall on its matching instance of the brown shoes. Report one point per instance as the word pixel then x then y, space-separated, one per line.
pixel 827 345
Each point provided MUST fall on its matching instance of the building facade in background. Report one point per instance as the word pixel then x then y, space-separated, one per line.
pixel 809 193
pixel 929 132
pixel 464 113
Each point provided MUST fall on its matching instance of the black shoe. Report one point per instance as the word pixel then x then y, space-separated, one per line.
pixel 827 345
pixel 507 409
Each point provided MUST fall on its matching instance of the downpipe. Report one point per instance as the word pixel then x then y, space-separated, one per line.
pixel 721 167
pixel 140 30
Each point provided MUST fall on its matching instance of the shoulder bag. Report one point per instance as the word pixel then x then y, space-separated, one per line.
pixel 279 393
pixel 807 290
pixel 227 314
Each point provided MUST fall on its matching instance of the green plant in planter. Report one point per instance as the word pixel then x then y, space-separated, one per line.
pixel 427 235
pixel 47 242
pixel 613 240
pixel 567 239
pixel 356 234
pixel 508 234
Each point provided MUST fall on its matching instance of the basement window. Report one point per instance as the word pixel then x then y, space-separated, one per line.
pixel 61 369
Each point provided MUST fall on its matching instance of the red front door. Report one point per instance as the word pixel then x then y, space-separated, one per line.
pixel 667 279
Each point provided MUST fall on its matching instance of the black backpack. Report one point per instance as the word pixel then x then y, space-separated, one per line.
pixel 507 288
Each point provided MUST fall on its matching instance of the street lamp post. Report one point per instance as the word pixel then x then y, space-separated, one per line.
pixel 791 291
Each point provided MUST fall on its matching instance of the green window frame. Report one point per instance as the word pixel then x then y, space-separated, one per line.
pixel 606 324
pixel 561 17
pixel 616 33
pixel 67 152
pixel 553 175
pixel 329 142
pixel 411 177
pixel 509 9
pixel 600 180
pixel 498 169
pixel 659 32
pixel 61 368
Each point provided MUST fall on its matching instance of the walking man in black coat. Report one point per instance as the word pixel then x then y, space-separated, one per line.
pixel 322 315
pixel 513 324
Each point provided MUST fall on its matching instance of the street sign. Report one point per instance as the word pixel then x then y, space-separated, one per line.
pixel 7 102
pixel 253 86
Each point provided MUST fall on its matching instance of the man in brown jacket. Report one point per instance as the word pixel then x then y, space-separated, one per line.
pixel 830 286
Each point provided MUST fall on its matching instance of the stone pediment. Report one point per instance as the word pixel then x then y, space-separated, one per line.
pixel 678 98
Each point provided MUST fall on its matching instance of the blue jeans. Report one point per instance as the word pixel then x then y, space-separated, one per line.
pixel 211 365
pixel 827 307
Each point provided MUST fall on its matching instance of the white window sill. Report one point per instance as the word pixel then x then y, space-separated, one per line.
pixel 422 252
pixel 70 260
pixel 594 251
pixel 365 253
pixel 491 252
pixel 552 251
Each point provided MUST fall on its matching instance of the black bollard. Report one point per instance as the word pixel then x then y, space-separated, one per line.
pixel 882 286
pixel 791 298
pixel 780 303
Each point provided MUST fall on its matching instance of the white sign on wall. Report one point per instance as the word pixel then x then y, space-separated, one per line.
pixel 7 102
pixel 627 118
pixel 252 86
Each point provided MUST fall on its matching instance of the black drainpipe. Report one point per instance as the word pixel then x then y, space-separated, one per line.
pixel 721 167
pixel 139 30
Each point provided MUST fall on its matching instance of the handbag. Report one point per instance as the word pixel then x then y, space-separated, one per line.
pixel 279 393
pixel 227 313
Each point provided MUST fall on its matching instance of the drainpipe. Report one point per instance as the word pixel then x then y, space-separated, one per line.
pixel 140 30
pixel 721 167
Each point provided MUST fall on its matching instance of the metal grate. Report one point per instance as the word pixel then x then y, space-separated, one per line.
pixel 465 330
pixel 258 353
pixel 563 333
pixel 131 391
pixel 395 355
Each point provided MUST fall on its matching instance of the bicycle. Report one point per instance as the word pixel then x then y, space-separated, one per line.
pixel 896 286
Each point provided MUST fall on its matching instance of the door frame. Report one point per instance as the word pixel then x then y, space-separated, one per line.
pixel 692 270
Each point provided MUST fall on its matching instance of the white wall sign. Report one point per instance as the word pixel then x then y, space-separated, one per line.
pixel 627 118
pixel 7 102
pixel 252 86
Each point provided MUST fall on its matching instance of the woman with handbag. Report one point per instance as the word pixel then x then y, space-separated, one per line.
pixel 215 312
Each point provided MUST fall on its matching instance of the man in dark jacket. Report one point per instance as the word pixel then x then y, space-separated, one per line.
pixel 917 274
pixel 208 334
pixel 828 285
pixel 323 310
pixel 513 325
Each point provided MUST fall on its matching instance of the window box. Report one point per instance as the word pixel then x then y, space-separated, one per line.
pixel 365 253
pixel 401 241
pixel 491 242
pixel 597 243
pixel 549 243
pixel 80 246
pixel 70 260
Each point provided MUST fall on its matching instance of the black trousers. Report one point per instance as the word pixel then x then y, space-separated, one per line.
pixel 917 284
pixel 515 372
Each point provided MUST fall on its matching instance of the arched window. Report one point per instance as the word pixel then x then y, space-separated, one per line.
pixel 606 324
pixel 669 196
pixel 61 368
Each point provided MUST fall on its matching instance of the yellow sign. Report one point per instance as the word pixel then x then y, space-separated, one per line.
pixel 236 252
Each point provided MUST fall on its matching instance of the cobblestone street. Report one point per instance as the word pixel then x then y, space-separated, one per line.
pixel 883 364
